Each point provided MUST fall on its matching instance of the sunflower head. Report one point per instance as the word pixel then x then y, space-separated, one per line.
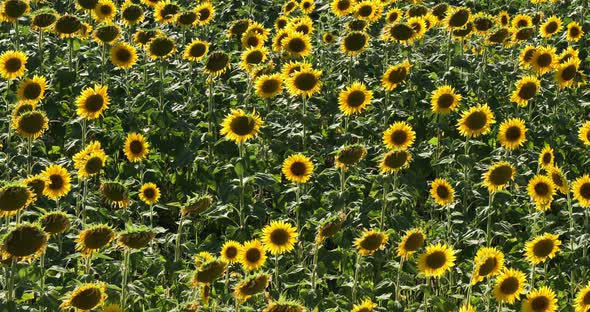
pixel 106 33
pixel 541 190
pixel 44 18
pixel 136 147
pixel 436 260
pixel 86 5
pixel 354 98
pixel 399 136
pixel 251 286
pixel 488 262
pixel 395 75
pixel 581 190
pixel 67 25
pixel 365 306
pixel 161 47
pixel 543 59
pixel 217 63
pixel 541 248
pixel 297 168
pixel 252 255
pixel 551 26
pixel 54 222
pixel 196 50
pixel 123 55
pixel 166 11
pixel 94 237
pixel 296 44
pixel 304 82
pixel 370 241
pixel 131 13
pixel 444 100
pixel 540 299
pixel 239 126
pixel 253 57
pixel 12 10
pixel 31 124
pixel 143 36
pixel 330 227
pixel 566 73
pixel 500 36
pixel 57 181
pixel 196 206
pixel 558 179
pixel 395 161
pixel 350 155
pixel 25 242
pixel 135 238
pixel 509 285
pixel 457 17
pixel 149 193
pixel 92 102
pixel 498 175
pixel 526 88
pixel 12 64
pixel 186 18
pixel 36 184
pixel 86 297
pixel 412 241
pixel 546 157
pixel 399 32
pixel 574 32
pixel 279 237
pixel 268 86
pixel 476 121
pixel 238 28
pixel 583 299
pixel 442 192
pixel 104 11
pixel 206 12
pixel 115 193
pixel 230 251
pixel 354 43
pixel 32 89
pixel 284 305
pixel 512 133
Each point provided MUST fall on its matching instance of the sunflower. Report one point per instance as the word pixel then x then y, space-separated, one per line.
pixel 500 36
pixel 32 90
pixel 238 28
pixel 354 98
pixel 330 227
pixel 566 73
pixel 241 127
pixel 541 189
pixel 203 257
pixel 149 193
pixel 395 161
pixel 498 175
pixel 291 68
pixel 304 82
pixel 297 168
pixel 464 32
pixel 251 286
pixel 206 12
pixel 85 31
pixel 186 18
pixel 57 181
pixel 217 63
pixel 196 206
pixel 112 308
pixel 488 262
pixel 521 21
pixel 268 86
pixel 13 64
pixel 350 155
pixel 475 121
pixel 136 147
pixel 115 193
pixel 357 25
pixel 467 308
pixel 419 27
pixel 568 54
pixel 444 100
pixel 279 237
pixel 456 18
pixel 104 11
pixel 131 13
pixel 395 75
pixel 31 124
pixel 482 23
pixel 230 251
pixel 143 36
pixel 161 47
pixel 546 157
pixel 543 60
pixel 368 10
pixel 412 241
pixel 196 50
pixel 86 4
pixel 366 306
pixel 393 15
pixel 253 57
pixel 289 7
pixel 440 10
pixel 67 26
pixel 43 18
pixel 252 255
pixel 370 241
pixel 92 102
pixel 581 190
pixel 399 136
pixel 251 39
pixel 90 160
pixel 583 299
pixel 93 238
pixel 166 11
pixel 106 34
pixel 542 247
pixel 584 133
pixel 36 184
pixel 208 272
pixel 135 237
pixel 123 55
pixel 15 197
pixel 436 260
pixel 512 133
pixel 86 297
pixel 54 222
pixel 558 179
pixel 399 32
pixel 342 8
pixel 509 285
pixel 574 32
pixel 307 6
pixel 540 300
pixel 526 88
pixel 12 10
pixel 354 43
pixel 284 305
pixel 296 44
pixel 551 26
pixel 442 192
pixel 504 19
pixel 281 22
pixel 25 242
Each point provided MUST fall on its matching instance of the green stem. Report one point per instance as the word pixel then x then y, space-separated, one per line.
pixel 178 239
pixel 242 152
pixel 16 35
pixel 125 274
pixel 384 201
pixel 314 266
pixel 11 277
pixel 342 180
pixel 397 283
pixel 356 276
pixel 71 54
pixel 29 157
pixel 162 71
pixel 277 285
pixel 489 221
pixel 303 114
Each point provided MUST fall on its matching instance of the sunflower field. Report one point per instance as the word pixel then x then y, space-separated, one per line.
pixel 294 155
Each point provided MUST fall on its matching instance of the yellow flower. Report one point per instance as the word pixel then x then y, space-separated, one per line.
pixel 104 11
pixel 217 63
pixel 584 133
pixel 131 13
pixel 368 10
pixel 305 82
pixel 436 260
pixel 551 26
pixel 541 248
pixel 566 73
pixel 230 251
pixel 521 21
pixel 512 133
pixel 583 299
pixel 268 86
pixel 296 44
pixel 581 190
pixel 559 179
pixel 475 121
pixel 57 181
pixel 366 306
pixel 399 136
pixel 370 241
pixel 12 64
pixel 543 60
pixel 526 55
pixel 149 193
pixel 395 161
pixel 206 12
pixel 86 297
pixel 541 190
pixel 24 242
pixel 123 55
pixel 457 17
pixel 488 262
pixel 253 57
pixel 442 192
pixel 136 147
pixel 196 50
pixel 90 160
pixel 412 241
pixel 574 32
pixel 279 237
pixel 93 238
pixel 241 127
pixel 497 176
pixel 467 308
pixel 297 168
pixel 161 47
pixel 92 102
pixel 354 43
pixel 395 75
pixel 546 157
pixel 444 100
pixel 540 300
pixel 30 124
pixel 251 286
pixel 252 255
pixel 526 88
pixel 354 98
pixel 509 285
pixel 32 90
pixel 166 11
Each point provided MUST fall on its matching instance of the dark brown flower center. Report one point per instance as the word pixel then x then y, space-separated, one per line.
pixel 253 255
pixel 355 41
pixel 569 73
pixel 509 285
pixel 401 32
pixel 540 303
pixel 12 65
pixel 544 60
pixel 32 91
pixel 56 182
pixel 197 50
pixel 436 260
pixel 397 75
pixel 527 90
pixel 414 241
pixel 94 103
pixel 372 241
pixel 445 100
pixel 270 86
pixel 242 125
pixel 305 81
pixel 487 266
pixel 395 160
pixel 501 175
pixel 542 189
pixel 136 147
pixel 551 28
pixel 298 168
pixel 123 55
pixel 443 191
pixel 513 134
pixel 231 252
pixel 279 237
pixel 585 190
pixel 476 120
pixel 355 98
pixel 87 299
pixel 93 165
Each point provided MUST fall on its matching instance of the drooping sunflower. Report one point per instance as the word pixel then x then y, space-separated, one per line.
pixel 583 299
pixel 230 251
pixel 208 272
pixel 136 147
pixel 541 248
pixel 136 237
pixel 36 184
pixel 143 36
pixel 457 17
pixel 546 157
pixel 12 10
pixel 86 297
pixel 196 50
pixel 13 64
pixel 25 242
pixel 43 18
pixel 509 285
pixel 464 32
pixel 395 75
pixel 412 241
pixel 289 7
pixel 240 127
pixel 115 193
pixel 31 124
pixel 149 193
pixel 252 255
pixel 279 237
pixel 350 155
pixel 498 175
pixel 475 121
pixel 253 57
pixel 92 102
pixel 574 32
pixel 131 13
pixel 161 47
pixel 354 98
pixel 304 82
pixel 284 305
pixel 15 197
pixel 104 11
pixel 440 11
pixel 123 55
pixel 93 238
pixel 357 25
pixel 354 43
pixel 217 63
pixel 482 23
pixel 442 192
pixel 57 181
pixel 368 10
pixel 541 190
pixel 67 26
pixel 488 262
pixel 268 86
pixel 32 89
pixel 206 12
pixel 444 100
pixel 106 33
pixel 238 28
pixel 436 260
pixel 186 18
pixel 297 168
pixel 395 161
pixel 399 32
pixel 54 222
pixel 399 136
pixel 522 34
pixel 559 179
pixel 330 227
pixel 581 190
pixel 166 11
pixel 365 306
pixel 90 160
pixel 584 133
pixel 526 88
pixel 512 133
pixel 196 206
pixel 540 300
pixel 543 60
pixel 500 36
pixel 566 73
pixel 86 5
pixel 370 241
pixel 526 55
pixel 251 286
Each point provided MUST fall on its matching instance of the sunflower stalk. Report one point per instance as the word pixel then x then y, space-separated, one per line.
pixel 162 73
pixel 489 221
pixel 16 35
pixel 29 157
pixel 397 283
pixel 303 114
pixel 314 266
pixel 125 275
pixel 40 50
pixel 241 149
pixel 11 278
pixel 277 285
pixel 71 55
pixel 42 270
pixel 178 240
pixel 356 276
